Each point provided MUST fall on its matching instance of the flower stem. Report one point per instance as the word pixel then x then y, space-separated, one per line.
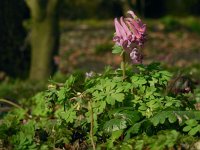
pixel 123 65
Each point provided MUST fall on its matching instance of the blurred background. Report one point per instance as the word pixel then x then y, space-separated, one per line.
pixel 43 39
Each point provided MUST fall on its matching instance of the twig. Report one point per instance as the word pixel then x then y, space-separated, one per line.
pixel 172 83
pixel 11 103
pixel 14 104
pixel 91 127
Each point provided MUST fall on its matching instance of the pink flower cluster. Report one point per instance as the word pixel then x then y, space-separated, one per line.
pixel 130 34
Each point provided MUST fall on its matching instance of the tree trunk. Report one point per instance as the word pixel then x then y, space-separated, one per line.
pixel 14 59
pixel 44 36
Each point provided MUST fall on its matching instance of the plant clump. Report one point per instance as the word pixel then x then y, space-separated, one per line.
pixel 131 107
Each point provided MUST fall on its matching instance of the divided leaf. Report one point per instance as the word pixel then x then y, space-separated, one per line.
pixel 114 125
pixel 117 49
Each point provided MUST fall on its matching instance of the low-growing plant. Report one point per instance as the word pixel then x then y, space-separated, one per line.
pixel 132 107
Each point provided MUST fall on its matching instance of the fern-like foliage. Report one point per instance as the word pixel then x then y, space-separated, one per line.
pixel 173 116
pixel 104 110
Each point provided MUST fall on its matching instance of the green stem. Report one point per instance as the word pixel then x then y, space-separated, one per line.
pixel 91 126
pixel 14 104
pixel 11 103
pixel 123 65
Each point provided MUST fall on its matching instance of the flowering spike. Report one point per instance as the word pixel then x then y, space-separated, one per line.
pixel 130 34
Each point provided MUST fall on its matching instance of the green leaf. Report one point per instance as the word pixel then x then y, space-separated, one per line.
pixel 187 128
pixel 138 80
pixel 180 115
pixel 70 81
pixel 143 107
pixel 69 115
pixel 110 100
pixel 194 130
pixel 165 74
pixel 102 106
pixel 191 122
pixel 120 89
pixel 117 49
pixel 153 81
pixel 159 118
pixel 41 107
pixel 139 145
pixel 141 67
pixel 133 130
pixel 20 113
pixel 172 118
pixel 134 78
pixel 142 81
pixel 162 120
pixel 129 115
pixel 118 96
pixel 114 125
pixel 115 135
pixel 61 94
pixel 142 90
